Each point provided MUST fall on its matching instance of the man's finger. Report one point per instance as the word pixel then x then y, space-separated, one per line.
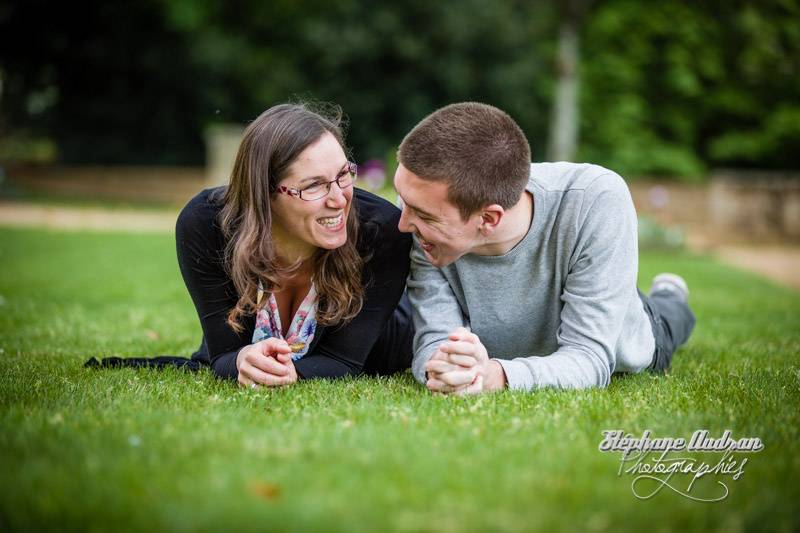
pixel 435 385
pixel 438 354
pixel 476 387
pixel 458 378
pixel 439 366
pixel 465 335
pixel 458 334
pixel 467 361
pixel 458 347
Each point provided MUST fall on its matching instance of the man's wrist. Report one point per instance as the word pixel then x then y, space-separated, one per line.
pixel 496 378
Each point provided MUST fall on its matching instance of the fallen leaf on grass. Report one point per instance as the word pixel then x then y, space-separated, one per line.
pixel 265 491
pixel 152 335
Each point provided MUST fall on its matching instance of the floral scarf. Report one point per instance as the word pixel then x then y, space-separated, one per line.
pixel 301 330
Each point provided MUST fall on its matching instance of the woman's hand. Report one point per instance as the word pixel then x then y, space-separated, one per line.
pixel 267 362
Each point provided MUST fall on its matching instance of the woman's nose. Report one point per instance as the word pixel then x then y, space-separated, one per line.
pixel 336 197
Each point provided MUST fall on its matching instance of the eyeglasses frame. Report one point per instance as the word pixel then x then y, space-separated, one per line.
pixel 352 169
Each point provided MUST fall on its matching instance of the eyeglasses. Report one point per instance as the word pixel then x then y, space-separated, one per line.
pixel 320 189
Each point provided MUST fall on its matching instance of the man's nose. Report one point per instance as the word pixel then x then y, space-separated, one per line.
pixel 404 224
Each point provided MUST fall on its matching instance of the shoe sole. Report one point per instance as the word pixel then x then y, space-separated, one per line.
pixel 672 279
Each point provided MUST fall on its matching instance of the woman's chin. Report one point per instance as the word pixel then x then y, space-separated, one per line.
pixel 330 242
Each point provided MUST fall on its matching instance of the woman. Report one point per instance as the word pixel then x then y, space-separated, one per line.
pixel 293 272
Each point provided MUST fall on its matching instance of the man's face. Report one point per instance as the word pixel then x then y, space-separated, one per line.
pixel 437 223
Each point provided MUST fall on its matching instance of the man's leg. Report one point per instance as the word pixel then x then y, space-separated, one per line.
pixel 667 305
pixel 394 349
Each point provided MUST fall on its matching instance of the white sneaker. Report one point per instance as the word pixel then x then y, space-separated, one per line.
pixel 671 282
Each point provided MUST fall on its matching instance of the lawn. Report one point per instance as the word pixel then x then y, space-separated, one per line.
pixel 85 449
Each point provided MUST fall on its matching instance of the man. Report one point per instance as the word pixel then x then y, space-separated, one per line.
pixel 523 275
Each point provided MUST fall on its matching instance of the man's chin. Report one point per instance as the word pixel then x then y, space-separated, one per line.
pixel 436 260
pixel 430 257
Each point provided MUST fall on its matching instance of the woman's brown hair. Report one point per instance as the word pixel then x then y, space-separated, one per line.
pixel 269 146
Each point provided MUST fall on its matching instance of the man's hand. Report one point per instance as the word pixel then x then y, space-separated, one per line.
pixel 267 362
pixel 462 366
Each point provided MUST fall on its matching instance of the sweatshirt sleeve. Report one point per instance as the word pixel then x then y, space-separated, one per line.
pixel 435 309
pixel 597 293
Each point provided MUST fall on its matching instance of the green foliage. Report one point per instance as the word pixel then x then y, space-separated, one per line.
pixel 110 82
pixel 667 88
pixel 387 64
pixel 131 450
pixel 672 87
pixel 654 236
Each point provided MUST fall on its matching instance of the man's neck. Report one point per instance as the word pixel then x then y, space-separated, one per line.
pixel 512 228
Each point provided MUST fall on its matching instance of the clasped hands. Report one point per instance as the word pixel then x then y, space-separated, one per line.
pixel 461 365
pixel 267 362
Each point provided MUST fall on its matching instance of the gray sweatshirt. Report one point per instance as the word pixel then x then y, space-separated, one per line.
pixel 561 308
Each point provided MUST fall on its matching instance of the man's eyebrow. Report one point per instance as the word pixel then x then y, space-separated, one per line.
pixel 420 211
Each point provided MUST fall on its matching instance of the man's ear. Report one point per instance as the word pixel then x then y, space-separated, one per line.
pixel 490 218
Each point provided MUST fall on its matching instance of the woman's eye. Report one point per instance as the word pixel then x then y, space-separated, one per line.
pixel 316 186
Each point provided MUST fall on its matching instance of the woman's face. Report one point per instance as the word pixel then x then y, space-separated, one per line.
pixel 301 226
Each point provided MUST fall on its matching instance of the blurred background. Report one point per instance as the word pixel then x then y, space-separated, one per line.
pixel 139 103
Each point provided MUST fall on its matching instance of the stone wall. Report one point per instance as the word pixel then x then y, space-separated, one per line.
pixel 170 185
pixel 758 205
pixel 222 143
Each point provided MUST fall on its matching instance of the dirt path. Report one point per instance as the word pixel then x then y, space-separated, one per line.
pixel 85 218
pixel 780 263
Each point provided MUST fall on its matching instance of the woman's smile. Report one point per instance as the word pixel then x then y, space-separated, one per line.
pixel 334 223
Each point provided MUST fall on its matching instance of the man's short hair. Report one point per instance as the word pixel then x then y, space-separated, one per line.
pixel 477 149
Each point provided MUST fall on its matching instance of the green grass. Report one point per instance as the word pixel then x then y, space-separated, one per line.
pixel 141 450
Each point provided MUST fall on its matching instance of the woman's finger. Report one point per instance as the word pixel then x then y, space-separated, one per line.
pixel 283 357
pixel 273 346
pixel 268 364
pixel 252 374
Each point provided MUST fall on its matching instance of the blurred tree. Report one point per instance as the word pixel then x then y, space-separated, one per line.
pixel 387 64
pixel 676 87
pixel 667 88
pixel 108 80
pixel 565 111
